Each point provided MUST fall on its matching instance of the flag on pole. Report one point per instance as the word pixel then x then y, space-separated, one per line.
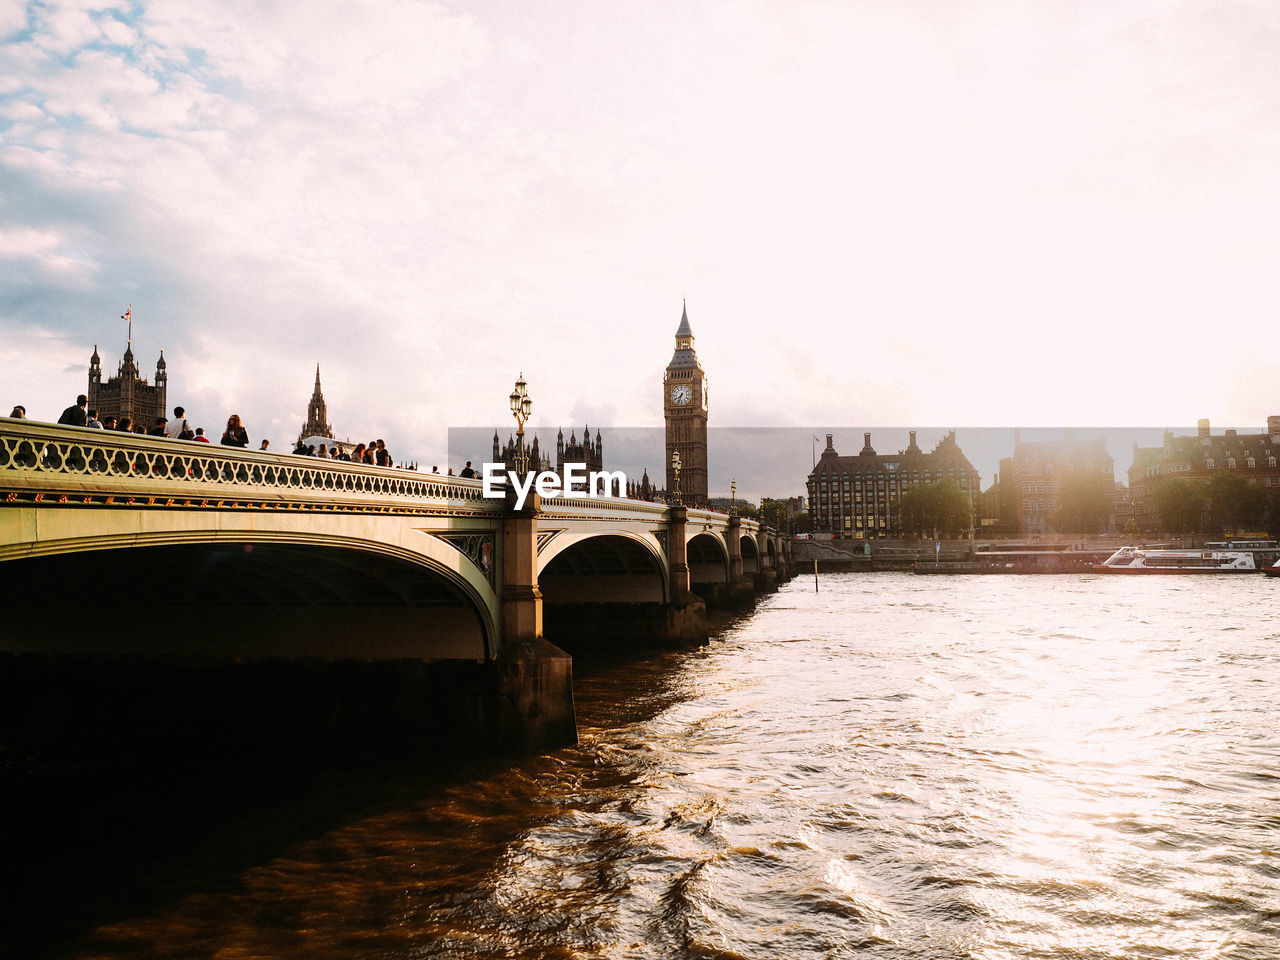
pixel 128 315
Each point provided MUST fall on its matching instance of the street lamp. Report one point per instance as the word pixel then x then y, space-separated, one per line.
pixel 521 407
pixel 675 476
pixel 733 495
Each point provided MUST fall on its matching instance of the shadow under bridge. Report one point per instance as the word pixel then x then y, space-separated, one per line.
pixel 604 590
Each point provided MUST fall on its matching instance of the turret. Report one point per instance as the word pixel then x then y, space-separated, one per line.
pixel 95 366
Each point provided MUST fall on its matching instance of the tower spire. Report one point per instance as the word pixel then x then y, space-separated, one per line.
pixel 684 330
pixel 317 424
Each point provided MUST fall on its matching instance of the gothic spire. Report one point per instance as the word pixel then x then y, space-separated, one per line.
pixel 684 330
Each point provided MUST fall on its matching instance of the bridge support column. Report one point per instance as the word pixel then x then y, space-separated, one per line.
pixel 766 578
pixel 534 678
pixel 741 591
pixel 686 614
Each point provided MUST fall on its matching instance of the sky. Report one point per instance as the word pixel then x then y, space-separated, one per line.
pixel 907 213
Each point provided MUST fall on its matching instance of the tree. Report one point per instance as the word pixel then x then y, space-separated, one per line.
pixel 1236 503
pixel 932 509
pixel 1273 514
pixel 1180 504
pixel 1085 504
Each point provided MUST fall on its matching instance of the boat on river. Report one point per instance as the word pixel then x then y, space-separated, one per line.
pixel 1142 560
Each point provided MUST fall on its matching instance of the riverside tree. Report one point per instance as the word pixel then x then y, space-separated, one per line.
pixel 1085 504
pixel 935 509
pixel 1235 503
pixel 1180 504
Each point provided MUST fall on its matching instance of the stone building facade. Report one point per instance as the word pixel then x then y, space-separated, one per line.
pixel 1030 482
pixel 573 450
pixel 1251 456
pixel 127 394
pixel 857 497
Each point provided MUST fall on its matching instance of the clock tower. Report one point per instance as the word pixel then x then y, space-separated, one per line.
pixel 684 407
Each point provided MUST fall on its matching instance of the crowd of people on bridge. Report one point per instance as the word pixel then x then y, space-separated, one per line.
pixel 374 453
pixel 80 414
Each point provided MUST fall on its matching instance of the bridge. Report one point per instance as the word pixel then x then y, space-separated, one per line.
pixel 120 549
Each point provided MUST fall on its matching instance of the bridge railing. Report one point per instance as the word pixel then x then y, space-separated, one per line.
pixel 45 458
pixel 39 460
pixel 603 507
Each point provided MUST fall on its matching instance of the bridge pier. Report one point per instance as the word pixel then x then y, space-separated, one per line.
pixel 740 592
pixel 686 613
pixel 533 678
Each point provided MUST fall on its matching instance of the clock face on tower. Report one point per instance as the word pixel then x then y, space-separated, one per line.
pixel 681 394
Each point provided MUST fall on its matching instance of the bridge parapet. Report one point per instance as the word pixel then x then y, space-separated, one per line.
pixel 39 461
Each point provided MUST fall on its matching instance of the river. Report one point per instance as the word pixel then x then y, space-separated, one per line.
pixel 891 767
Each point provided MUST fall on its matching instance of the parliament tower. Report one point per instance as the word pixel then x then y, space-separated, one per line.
pixel 317 424
pixel 127 394
pixel 684 407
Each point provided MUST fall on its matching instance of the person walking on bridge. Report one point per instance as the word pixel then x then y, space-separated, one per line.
pixel 74 415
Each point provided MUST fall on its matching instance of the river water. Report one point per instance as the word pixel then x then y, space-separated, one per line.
pixel 892 767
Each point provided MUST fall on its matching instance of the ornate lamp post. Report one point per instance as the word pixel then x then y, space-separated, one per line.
pixel 733 495
pixel 521 407
pixel 675 476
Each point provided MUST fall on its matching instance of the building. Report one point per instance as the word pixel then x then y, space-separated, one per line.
pixel 127 394
pixel 1031 483
pixel 1126 514
pixel 573 450
pixel 317 427
pixel 857 497
pixel 1251 456
pixel 684 408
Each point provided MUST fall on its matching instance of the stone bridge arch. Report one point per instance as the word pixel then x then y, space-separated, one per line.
pixel 608 588
pixel 261 583
pixel 603 565
pixel 708 558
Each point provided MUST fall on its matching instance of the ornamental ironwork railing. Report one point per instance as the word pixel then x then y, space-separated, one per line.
pixel 49 459
pixel 43 461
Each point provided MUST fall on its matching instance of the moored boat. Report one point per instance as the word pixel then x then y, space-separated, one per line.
pixel 1141 560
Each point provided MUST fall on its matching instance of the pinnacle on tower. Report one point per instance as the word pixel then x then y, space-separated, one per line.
pixel 684 330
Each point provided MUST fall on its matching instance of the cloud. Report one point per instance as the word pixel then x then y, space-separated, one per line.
pixel 882 212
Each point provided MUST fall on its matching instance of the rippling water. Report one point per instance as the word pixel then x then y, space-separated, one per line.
pixel 896 767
